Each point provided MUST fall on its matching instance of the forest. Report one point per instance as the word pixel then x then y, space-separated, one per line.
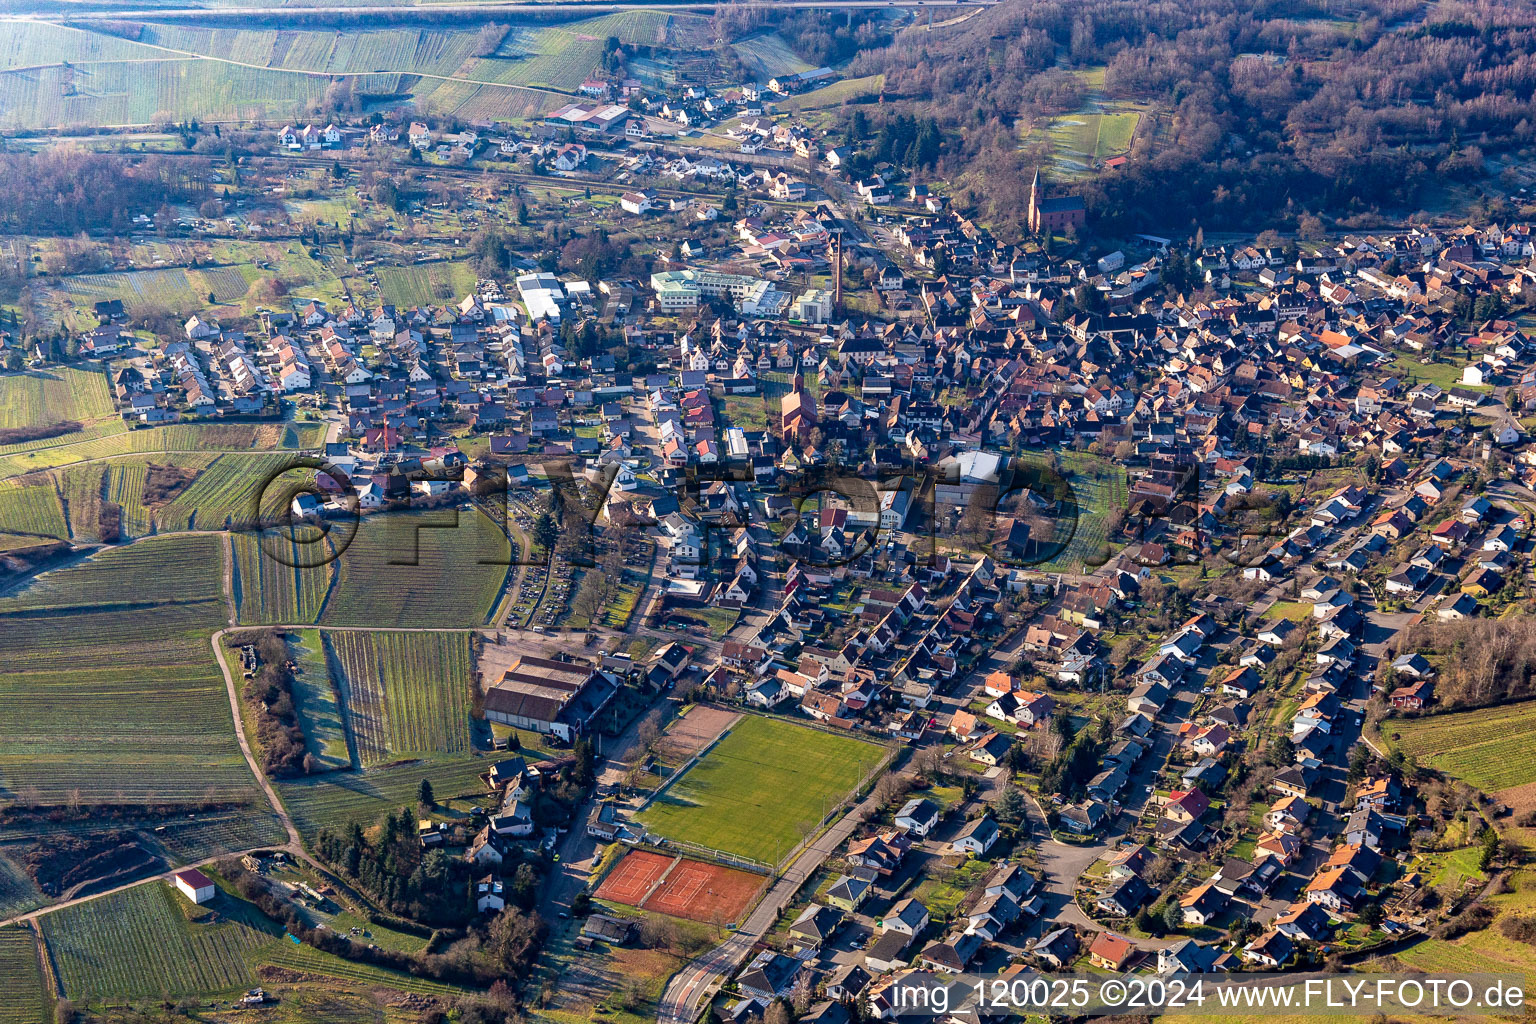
pixel 1487 661
pixel 1265 113
pixel 65 190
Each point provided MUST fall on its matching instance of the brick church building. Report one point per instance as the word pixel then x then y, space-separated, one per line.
pixel 1052 215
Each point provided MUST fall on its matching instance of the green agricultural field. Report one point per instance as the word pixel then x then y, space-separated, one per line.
pixel 32 508
pixel 834 95
pixel 23 997
pixel 438 568
pixel 54 395
pixel 1087 137
pixel 149 941
pixel 336 800
pixel 1489 748
pixel 18 893
pixel 311 961
pixel 761 788
pixel 270 592
pixel 404 693
pixel 427 284
pixel 111 693
pixel 186 438
pixel 314 697
pixel 768 56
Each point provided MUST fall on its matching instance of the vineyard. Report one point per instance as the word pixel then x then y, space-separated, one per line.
pixel 150 942
pixel 173 288
pixel 429 284
pixel 270 592
pixel 83 487
pixel 23 997
pixel 26 44
pixel 1488 748
pixel 255 74
pixel 415 569
pixel 54 395
pixel 367 977
pixel 195 438
pixel 224 495
pixel 768 56
pixel 112 694
pixel 336 800
pixel 18 893
pixel 403 692
pixel 314 697
pixel 31 508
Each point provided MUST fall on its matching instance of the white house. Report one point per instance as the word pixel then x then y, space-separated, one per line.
pixel 976 837
pixel 636 202
pixel 918 816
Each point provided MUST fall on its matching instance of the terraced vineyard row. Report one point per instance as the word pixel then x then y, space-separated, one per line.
pixel 32 508
pixel 23 997
pixel 270 592
pixel 111 702
pixel 314 697
pixel 366 976
pixel 149 942
pixel 404 692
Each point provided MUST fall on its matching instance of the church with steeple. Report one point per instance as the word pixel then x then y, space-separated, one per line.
pixel 1052 215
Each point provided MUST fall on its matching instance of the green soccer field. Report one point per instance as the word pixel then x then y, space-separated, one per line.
pixel 761 787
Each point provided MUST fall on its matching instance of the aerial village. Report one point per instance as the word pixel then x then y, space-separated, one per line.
pixel 1153 544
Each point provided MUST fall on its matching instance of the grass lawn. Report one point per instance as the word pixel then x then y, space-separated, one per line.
pixel 762 788
pixel 1297 611
pixel 749 412
pixel 1457 866
pixel 1443 375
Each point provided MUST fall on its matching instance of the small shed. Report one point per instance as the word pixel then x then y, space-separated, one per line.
pixel 194 885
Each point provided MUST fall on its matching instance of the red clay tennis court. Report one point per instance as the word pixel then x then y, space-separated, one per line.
pixel 690 889
pixel 633 876
pixel 705 892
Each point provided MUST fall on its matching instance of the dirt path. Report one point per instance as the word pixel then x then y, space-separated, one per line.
pixel 245 745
